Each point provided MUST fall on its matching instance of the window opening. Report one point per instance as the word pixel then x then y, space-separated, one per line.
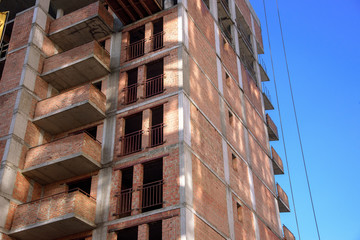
pixel 157 40
pixel 155 230
pixel 136 48
pixel 125 196
pixel 84 185
pixel 152 189
pixel 128 233
pixel 5 45
pixel 98 85
pixel 155 78
pixel 239 212
pixel 131 88
pixel 157 126
pixel 133 134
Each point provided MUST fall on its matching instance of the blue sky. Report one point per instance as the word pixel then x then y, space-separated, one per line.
pixel 322 42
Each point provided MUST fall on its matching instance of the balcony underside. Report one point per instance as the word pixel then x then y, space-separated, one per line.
pixel 267 103
pixel 277 169
pixel 272 135
pixel 71 117
pixel 129 11
pixel 282 206
pixel 76 73
pixel 54 228
pixel 264 76
pixel 62 168
pixel 80 33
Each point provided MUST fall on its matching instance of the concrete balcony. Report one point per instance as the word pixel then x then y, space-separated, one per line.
pixel 76 66
pixel 92 22
pixel 263 70
pixel 54 217
pixel 272 129
pixel 62 159
pixel 283 200
pixel 71 109
pixel 267 98
pixel 288 234
pixel 277 162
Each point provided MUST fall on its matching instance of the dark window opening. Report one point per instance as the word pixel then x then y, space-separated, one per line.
pixel 131 88
pixel 125 196
pixel 207 3
pixel 84 185
pixel 231 118
pixel 157 126
pixel 133 134
pixel 128 233
pixel 234 162
pixel 239 212
pixel 98 85
pixel 152 190
pixel 154 78
pixel 155 230
pixel 5 45
pixel 157 40
pixel 136 48
pixel 91 131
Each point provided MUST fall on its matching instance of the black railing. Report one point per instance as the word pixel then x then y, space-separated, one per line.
pixel 124 201
pixel 157 41
pixel 152 195
pixel 135 49
pixel 154 85
pixel 131 93
pixel 131 142
pixel 157 135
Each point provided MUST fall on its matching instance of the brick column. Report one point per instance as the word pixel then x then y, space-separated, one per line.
pixel 146 126
pixel 121 134
pixel 143 232
pixel 112 236
pixel 149 28
pixel 141 80
pixel 137 182
pixel 125 41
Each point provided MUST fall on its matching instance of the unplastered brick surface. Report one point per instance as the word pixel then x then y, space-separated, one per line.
pixel 243 226
pixel 206 141
pixel 261 163
pixel 62 148
pixel 204 231
pixel 94 9
pixel 12 70
pixel 232 95
pixel 21 187
pixel 203 19
pixel 21 29
pixel 7 104
pixel 228 57
pixel 266 233
pixel 209 196
pixel 256 125
pixel 84 93
pixel 265 204
pixel 54 206
pixel 202 52
pixel 235 134
pixel 204 94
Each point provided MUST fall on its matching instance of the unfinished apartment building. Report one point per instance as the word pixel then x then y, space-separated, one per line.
pixel 136 120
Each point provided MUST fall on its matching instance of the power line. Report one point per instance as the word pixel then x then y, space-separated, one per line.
pixel 281 126
pixel 296 119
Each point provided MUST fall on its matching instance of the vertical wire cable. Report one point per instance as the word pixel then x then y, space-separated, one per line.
pixel 281 126
pixel 297 123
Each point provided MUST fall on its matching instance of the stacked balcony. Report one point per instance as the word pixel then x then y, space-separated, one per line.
pixel 54 217
pixel 272 129
pixel 92 22
pixel 65 158
pixel 224 18
pixel 76 66
pixel 263 70
pixel 267 98
pixel 288 234
pixel 277 162
pixel 74 108
pixel 283 200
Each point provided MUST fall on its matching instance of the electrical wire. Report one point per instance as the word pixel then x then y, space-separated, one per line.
pixel 281 126
pixel 296 119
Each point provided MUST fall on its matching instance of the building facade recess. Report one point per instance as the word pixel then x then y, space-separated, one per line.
pixel 145 119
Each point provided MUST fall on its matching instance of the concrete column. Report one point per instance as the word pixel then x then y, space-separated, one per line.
pixel 59 13
pixel 168 3
pixel 143 232
pixel 137 183
pixel 149 29
pixel 146 121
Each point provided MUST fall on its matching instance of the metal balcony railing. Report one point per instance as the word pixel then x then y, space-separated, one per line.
pixel 246 37
pixel 225 5
pixel 123 205
pixel 135 50
pixel 152 194
pixel 131 142
pixel 3 50
pixel 154 85
pixel 266 92
pixel 131 93
pixel 157 135
pixel 157 41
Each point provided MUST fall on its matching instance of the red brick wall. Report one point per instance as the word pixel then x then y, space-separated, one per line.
pixel 265 232
pixel 282 195
pixel 235 133
pixel 203 231
pixel 12 72
pixel 232 95
pixel 228 57
pixel 265 204
pixel 171 229
pixel 256 124
pixel 21 187
pixel 258 34
pixel 244 227
pixel 206 142
pixel 202 17
pixel 209 197
pixel 21 30
pixel 7 104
